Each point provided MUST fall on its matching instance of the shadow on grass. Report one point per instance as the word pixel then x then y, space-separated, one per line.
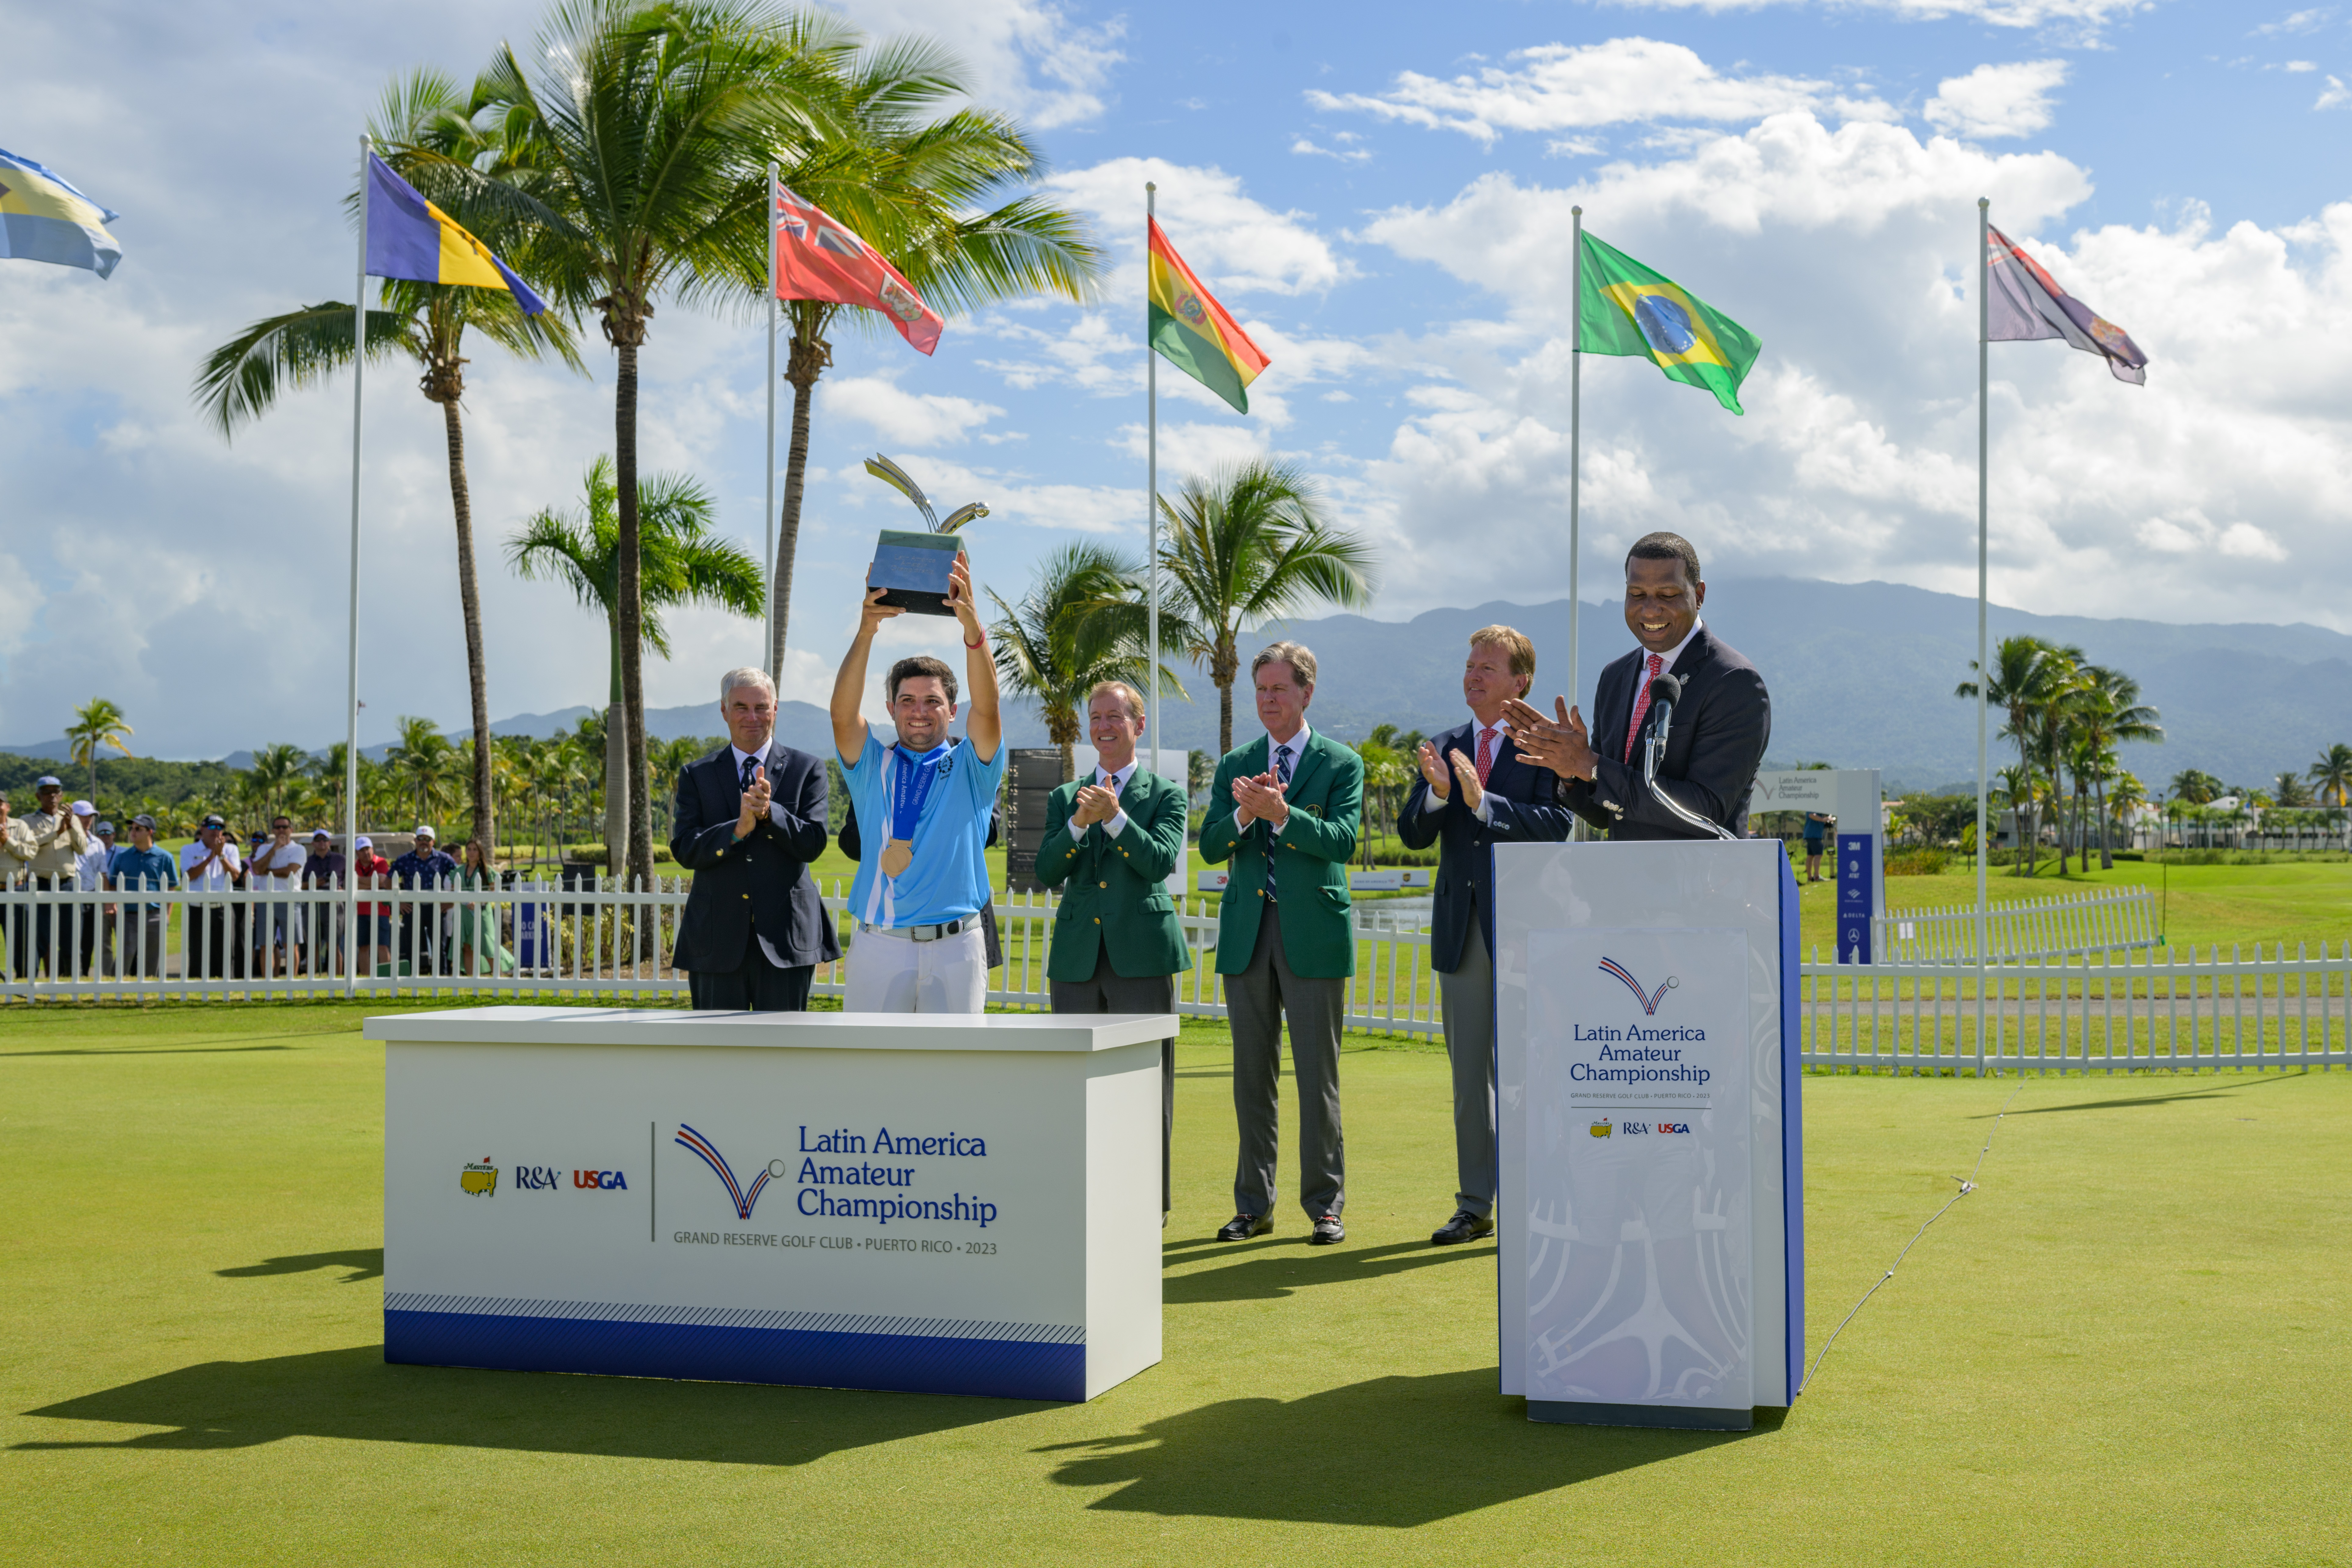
pixel 1275 1270
pixel 1395 1451
pixel 150 1051
pixel 364 1263
pixel 352 1394
pixel 2216 1091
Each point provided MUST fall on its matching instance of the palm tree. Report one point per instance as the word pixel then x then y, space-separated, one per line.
pixel 910 180
pixel 2025 677
pixel 97 724
pixel 2332 774
pixel 2195 786
pixel 680 562
pixel 2123 792
pixel 426 765
pixel 1247 545
pixel 424 130
pixel 2103 710
pixel 648 125
pixel 276 770
pixel 1080 624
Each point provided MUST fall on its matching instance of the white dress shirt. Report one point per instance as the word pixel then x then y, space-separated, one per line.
pixel 1117 783
pixel 775 814
pixel 1666 660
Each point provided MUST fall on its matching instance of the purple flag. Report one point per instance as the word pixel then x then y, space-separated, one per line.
pixel 2027 304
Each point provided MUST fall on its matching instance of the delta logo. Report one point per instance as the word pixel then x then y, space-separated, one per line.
pixel 479 1180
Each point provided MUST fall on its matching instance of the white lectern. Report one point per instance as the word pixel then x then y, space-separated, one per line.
pixel 1647 1118
pixel 946 1204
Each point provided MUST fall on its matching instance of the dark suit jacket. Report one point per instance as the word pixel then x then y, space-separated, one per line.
pixel 1720 728
pixel 1524 810
pixel 759 883
pixel 1114 890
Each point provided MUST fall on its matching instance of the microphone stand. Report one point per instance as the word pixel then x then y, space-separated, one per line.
pixel 1662 716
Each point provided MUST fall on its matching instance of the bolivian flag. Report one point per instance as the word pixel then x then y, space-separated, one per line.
pixel 409 237
pixel 1191 332
pixel 1626 309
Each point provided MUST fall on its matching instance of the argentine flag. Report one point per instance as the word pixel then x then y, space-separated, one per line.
pixel 43 218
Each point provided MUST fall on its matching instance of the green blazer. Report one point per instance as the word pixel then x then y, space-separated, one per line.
pixel 1310 859
pixel 1115 897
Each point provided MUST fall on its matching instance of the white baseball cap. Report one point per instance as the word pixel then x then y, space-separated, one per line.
pixel 82 808
pixel 424 830
pixel 362 842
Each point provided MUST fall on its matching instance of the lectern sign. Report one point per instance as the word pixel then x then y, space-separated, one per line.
pixel 1637 1133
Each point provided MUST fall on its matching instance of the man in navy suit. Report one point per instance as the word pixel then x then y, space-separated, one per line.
pixel 749 818
pixel 1720 726
pixel 1475 790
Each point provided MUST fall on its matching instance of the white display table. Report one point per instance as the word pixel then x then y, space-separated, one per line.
pixel 938 1204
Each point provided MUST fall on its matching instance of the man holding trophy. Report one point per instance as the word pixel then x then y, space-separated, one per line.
pixel 926 797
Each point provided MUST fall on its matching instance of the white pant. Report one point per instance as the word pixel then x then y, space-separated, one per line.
pixel 892 974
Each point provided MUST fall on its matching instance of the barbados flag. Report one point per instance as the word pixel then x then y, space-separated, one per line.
pixel 409 237
pixel 1626 309
pixel 43 218
pixel 1191 331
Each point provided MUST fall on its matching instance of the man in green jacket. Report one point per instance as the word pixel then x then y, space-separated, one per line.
pixel 1111 838
pixel 1285 810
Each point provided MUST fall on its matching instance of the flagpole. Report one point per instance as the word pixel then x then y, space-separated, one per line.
pixel 351 666
pixel 1984 674
pixel 768 312
pixel 1151 478
pixel 1575 445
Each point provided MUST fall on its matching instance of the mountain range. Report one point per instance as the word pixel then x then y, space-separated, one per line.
pixel 1860 674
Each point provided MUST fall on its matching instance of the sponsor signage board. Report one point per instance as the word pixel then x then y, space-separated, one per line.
pixel 788 1203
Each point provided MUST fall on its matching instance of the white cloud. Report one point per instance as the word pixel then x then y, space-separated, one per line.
pixel 1564 87
pixel 1997 100
pixel 1305 147
pixel 1190 448
pixel 1236 243
pixel 1847 251
pixel 900 417
pixel 2295 22
pixel 1023 57
pixel 2335 95
pixel 2299 65
pixel 2083 18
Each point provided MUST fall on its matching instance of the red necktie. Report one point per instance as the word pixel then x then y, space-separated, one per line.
pixel 1642 705
pixel 1485 755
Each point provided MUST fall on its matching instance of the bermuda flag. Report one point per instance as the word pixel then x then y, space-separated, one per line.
pixel 2027 304
pixel 816 258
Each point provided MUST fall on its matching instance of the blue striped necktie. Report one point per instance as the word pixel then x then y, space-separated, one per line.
pixel 751 764
pixel 1282 772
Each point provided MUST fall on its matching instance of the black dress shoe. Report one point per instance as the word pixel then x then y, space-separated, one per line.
pixel 1464 1226
pixel 1242 1226
pixel 1328 1230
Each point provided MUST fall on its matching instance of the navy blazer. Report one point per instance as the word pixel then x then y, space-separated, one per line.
pixel 1523 812
pixel 759 883
pixel 1720 729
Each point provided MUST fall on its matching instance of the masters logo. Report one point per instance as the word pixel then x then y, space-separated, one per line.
pixel 479 1180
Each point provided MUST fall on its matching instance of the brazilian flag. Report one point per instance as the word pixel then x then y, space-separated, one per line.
pixel 1624 308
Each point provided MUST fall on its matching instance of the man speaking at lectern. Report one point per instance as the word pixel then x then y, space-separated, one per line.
pixel 1717 729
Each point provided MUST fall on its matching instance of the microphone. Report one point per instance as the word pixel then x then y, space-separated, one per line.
pixel 1664 692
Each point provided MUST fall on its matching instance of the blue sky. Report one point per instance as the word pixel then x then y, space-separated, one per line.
pixel 1380 192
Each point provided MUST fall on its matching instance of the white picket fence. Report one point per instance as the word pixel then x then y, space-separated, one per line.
pixel 2063 925
pixel 2117 1009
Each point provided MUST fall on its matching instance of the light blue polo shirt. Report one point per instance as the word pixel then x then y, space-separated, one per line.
pixel 948 879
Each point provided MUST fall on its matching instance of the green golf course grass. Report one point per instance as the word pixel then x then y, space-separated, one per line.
pixel 2131 1345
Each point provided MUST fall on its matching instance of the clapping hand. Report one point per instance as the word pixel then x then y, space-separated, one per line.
pixel 755 803
pixel 1434 769
pixel 1564 745
pixel 1474 794
pixel 1095 803
pixel 1259 798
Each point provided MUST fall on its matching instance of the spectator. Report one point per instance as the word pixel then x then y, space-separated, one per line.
pixel 58 839
pixel 324 872
pixel 89 877
pixel 212 865
pixel 277 867
pixel 141 868
pixel 1817 826
pixel 425 867
pixel 16 854
pixel 371 870
pixel 474 875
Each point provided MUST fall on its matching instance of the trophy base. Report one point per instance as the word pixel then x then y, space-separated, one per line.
pixel 915 602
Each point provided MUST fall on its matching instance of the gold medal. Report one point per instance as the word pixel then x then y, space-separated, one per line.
pixel 896 856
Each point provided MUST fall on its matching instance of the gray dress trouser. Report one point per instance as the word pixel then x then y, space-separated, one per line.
pixel 1255 1001
pixel 1107 991
pixel 1469 994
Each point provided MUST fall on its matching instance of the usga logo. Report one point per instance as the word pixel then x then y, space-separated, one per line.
pixel 479 1180
pixel 1641 1129
pixel 610 1181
